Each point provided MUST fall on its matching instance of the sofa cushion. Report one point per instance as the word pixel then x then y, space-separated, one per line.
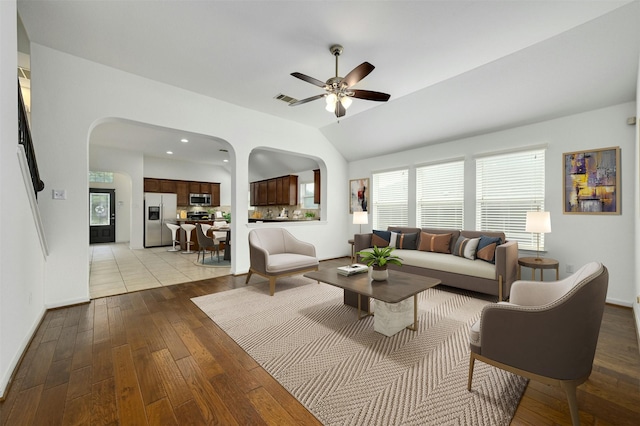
pixel 487 248
pixel 288 261
pixel 447 263
pixel 438 243
pixel 408 241
pixel 466 247
pixel 385 238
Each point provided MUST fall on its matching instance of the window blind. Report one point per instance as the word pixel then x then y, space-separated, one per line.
pixel 507 187
pixel 440 195
pixel 390 192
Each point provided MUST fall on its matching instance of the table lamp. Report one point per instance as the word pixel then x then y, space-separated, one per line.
pixel 360 218
pixel 538 222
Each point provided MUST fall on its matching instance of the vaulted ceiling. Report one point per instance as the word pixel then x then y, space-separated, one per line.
pixel 453 68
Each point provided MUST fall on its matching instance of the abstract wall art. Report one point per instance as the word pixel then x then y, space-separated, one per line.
pixel 592 181
pixel 358 195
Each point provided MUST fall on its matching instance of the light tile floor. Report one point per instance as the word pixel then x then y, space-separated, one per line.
pixel 116 269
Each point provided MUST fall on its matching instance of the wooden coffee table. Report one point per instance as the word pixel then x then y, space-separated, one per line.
pixel 397 288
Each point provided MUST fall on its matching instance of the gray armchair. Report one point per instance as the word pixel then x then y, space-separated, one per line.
pixel 274 253
pixel 547 332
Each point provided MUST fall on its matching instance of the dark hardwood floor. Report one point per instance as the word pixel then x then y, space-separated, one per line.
pixel 152 357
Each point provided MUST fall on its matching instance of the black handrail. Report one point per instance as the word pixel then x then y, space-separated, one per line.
pixel 24 138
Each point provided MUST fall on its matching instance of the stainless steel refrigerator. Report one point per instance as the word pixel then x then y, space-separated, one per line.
pixel 159 209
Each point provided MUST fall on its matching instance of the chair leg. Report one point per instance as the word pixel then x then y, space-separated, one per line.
pixel 570 389
pixel 472 361
pixel 272 286
pixel 248 276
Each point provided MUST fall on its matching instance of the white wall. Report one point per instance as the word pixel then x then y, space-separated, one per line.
pixel 62 127
pixel 23 262
pixel 575 239
pixel 182 170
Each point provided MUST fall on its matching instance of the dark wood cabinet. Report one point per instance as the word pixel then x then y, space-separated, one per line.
pixel 316 186
pixel 151 185
pixel 182 190
pixel 215 194
pixel 277 191
pixel 194 187
pixel 168 186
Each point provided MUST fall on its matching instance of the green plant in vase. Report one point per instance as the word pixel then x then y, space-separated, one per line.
pixel 378 259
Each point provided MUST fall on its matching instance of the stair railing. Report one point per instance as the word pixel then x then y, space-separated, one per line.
pixel 24 139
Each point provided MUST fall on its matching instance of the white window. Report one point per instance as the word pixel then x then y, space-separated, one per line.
pixel 101 177
pixel 390 199
pixel 507 187
pixel 440 195
pixel 307 191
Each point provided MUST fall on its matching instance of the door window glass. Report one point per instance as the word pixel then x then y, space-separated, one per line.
pixel 99 209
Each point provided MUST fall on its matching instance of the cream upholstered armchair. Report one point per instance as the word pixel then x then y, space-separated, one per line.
pixel 547 332
pixel 274 253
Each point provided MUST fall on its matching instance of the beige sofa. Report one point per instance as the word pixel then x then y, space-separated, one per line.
pixel 456 271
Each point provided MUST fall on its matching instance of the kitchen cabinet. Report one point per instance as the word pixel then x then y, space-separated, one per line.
pixel 316 186
pixel 215 194
pixel 262 193
pixel 272 196
pixel 252 194
pixel 277 191
pixel 151 185
pixel 168 186
pixel 182 189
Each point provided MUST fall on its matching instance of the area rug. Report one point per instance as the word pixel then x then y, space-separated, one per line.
pixel 345 373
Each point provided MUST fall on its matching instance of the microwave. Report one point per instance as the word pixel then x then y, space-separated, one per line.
pixel 200 199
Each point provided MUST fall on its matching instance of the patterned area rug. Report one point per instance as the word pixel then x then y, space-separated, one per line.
pixel 345 373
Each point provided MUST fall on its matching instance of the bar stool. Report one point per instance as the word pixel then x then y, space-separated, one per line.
pixel 187 230
pixel 174 229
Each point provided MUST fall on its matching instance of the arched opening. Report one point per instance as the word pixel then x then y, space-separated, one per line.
pixel 178 161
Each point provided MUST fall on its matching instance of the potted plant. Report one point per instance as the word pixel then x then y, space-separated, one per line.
pixel 378 259
pixel 309 215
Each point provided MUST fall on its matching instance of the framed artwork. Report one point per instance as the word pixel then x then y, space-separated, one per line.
pixel 592 181
pixel 358 195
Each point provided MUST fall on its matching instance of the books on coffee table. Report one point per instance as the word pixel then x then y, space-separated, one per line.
pixel 352 269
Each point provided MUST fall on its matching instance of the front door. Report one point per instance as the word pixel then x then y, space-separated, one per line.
pixel 102 215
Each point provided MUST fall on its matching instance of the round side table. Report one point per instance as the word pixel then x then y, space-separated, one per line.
pixel 538 263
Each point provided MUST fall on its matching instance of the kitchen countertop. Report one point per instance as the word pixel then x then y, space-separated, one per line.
pixel 254 220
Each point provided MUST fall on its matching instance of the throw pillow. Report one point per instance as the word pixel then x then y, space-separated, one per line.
pixel 438 243
pixel 487 248
pixel 380 238
pixel 408 241
pixel 466 247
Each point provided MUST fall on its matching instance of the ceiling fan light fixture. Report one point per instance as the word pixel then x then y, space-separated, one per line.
pixel 346 101
pixel 331 100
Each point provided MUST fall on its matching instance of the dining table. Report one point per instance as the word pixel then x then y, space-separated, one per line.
pixel 227 241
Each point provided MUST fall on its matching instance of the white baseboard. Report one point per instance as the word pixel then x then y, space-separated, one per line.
pixel 70 302
pixel 624 303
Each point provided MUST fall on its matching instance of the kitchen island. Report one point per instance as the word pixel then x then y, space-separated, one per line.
pixel 255 220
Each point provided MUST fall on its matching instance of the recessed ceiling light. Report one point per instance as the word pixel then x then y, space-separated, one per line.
pixel 170 152
pixel 225 161
pixel 183 140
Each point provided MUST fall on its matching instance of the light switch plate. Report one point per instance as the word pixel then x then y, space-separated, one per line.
pixel 59 194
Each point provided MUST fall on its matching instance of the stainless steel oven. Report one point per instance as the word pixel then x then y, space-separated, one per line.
pixel 200 199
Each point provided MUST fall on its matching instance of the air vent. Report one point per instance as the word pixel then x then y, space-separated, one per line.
pixel 285 98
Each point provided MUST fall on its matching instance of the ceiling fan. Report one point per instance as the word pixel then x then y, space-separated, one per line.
pixel 338 91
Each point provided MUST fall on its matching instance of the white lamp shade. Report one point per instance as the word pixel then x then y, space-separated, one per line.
pixel 345 101
pixel 538 222
pixel 360 218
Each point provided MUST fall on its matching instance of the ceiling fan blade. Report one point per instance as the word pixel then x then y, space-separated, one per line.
pixel 357 74
pixel 340 110
pixel 370 95
pixel 308 79
pixel 304 101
